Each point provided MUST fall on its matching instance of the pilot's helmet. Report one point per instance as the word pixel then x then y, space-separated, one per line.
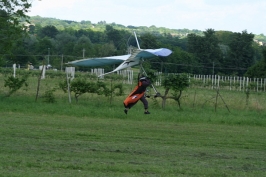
pixel 142 78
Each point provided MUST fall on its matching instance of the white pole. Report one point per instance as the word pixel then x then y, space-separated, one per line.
pixel 212 81
pixel 132 78
pixel 264 84
pixel 254 83
pixel 247 84
pixel 62 62
pixel 234 80
pixel 128 76
pixel 261 83
pixel 43 67
pixel 68 72
pixel 72 72
pixel 136 40
pixel 230 82
pixel 218 82
pixel 14 68
pixel 239 83
pixel 257 84
pixel 243 83
pixel 215 81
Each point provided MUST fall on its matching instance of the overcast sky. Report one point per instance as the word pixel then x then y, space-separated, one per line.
pixel 230 15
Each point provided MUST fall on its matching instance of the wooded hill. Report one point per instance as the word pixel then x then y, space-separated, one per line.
pixel 100 26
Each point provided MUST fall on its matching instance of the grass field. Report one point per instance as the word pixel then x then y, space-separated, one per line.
pixel 95 138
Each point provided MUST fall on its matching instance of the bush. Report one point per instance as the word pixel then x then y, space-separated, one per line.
pixel 49 96
pixel 14 84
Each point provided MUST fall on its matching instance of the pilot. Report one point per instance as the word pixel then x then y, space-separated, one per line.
pixel 138 94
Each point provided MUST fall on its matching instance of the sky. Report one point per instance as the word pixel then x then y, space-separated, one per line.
pixel 228 15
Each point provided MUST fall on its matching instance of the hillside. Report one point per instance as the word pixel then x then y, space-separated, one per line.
pixel 100 26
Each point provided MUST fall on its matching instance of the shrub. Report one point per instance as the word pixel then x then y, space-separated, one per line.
pixel 49 96
pixel 14 84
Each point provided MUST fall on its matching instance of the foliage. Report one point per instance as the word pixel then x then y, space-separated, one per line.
pixel 79 87
pixel 118 90
pixel 11 28
pixel 115 91
pixel 176 82
pixel 14 84
pixel 206 49
pixel 148 41
pixel 116 37
pixel 49 96
pixel 101 88
pixel 259 69
pixel 241 55
pixel 48 31
pixel 82 86
pixel 179 61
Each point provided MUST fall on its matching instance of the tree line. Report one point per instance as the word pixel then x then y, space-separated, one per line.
pixel 209 52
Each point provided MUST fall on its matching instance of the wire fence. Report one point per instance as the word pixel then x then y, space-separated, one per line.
pixel 229 82
pixel 205 81
pixel 235 83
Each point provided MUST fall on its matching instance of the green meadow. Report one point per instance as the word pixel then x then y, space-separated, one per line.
pixel 93 137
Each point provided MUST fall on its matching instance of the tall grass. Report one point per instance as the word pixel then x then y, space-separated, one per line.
pixel 100 107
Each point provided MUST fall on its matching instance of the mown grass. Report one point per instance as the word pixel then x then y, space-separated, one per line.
pixel 46 145
pixel 95 138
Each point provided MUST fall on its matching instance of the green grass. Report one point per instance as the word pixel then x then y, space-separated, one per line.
pixel 99 107
pixel 95 138
pixel 46 145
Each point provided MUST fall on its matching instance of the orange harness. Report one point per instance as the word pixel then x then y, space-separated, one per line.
pixel 133 97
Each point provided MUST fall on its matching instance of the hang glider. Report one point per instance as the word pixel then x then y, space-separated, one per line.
pixel 125 61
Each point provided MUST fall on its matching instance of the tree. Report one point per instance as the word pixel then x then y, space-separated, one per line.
pixel 19 54
pixel 224 37
pixel 83 45
pixel 11 29
pixel 206 49
pixel 241 54
pixel 65 43
pixel 177 83
pixel 49 31
pixel 114 36
pixel 171 40
pixel 44 45
pixel 148 41
pixel 81 33
pixel 97 36
pixel 180 61
pixel 104 50
pixel 196 48
pixel 259 69
pixel 14 84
